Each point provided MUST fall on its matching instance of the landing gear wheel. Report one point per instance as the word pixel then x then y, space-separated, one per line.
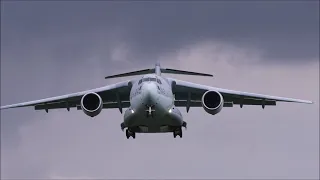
pixel 129 133
pixel 177 132
pixel 122 126
pixel 184 124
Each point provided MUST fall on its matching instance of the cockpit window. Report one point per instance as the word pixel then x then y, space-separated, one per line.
pixel 149 79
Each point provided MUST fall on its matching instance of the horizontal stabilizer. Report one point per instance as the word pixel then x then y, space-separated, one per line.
pixel 133 73
pixel 175 71
pixel 157 70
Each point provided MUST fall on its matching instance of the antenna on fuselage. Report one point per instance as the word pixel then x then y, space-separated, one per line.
pixel 157 68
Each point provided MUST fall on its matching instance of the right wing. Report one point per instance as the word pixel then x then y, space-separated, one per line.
pixel 111 96
pixel 189 94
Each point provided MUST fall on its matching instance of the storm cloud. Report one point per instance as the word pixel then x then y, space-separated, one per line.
pixel 54 48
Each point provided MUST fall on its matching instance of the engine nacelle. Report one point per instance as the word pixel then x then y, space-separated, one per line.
pixel 91 104
pixel 212 102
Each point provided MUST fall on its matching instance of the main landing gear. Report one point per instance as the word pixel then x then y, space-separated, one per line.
pixel 184 124
pixel 178 130
pixel 130 134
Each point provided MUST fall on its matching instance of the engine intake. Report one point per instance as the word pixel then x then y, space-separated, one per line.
pixel 91 104
pixel 212 102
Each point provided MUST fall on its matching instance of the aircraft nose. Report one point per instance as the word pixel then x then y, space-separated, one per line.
pixel 150 93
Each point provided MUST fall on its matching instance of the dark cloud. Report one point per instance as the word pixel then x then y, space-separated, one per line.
pixel 283 29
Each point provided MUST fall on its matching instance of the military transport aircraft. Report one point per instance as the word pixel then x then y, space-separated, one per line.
pixel 152 100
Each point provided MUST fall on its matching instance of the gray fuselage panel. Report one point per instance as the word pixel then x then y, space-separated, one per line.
pixel 152 107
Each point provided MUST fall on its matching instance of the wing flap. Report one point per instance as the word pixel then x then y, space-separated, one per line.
pixel 111 105
pixel 66 105
pixel 56 105
pixel 183 103
pixel 254 102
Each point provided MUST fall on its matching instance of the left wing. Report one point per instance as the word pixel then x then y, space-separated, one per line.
pixel 190 94
pixel 113 96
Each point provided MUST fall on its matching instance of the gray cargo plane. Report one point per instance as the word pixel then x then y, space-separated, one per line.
pixel 152 100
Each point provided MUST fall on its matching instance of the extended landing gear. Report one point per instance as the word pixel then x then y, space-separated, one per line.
pixel 122 126
pixel 177 132
pixel 184 124
pixel 129 131
pixel 130 134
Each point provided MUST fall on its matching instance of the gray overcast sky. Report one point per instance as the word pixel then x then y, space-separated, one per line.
pixel 53 48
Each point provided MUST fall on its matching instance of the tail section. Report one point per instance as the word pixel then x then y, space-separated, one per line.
pixel 158 70
pixel 133 73
pixel 175 71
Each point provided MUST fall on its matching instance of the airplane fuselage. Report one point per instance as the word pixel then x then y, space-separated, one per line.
pixel 152 107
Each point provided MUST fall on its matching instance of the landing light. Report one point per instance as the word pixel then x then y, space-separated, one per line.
pixel 170 110
pixel 132 111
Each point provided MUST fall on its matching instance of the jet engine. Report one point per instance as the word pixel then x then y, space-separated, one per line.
pixel 91 104
pixel 212 102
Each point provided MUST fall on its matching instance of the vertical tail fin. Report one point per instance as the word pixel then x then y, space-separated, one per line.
pixel 157 69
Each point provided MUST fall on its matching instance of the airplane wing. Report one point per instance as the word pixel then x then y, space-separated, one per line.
pixel 111 96
pixel 190 94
